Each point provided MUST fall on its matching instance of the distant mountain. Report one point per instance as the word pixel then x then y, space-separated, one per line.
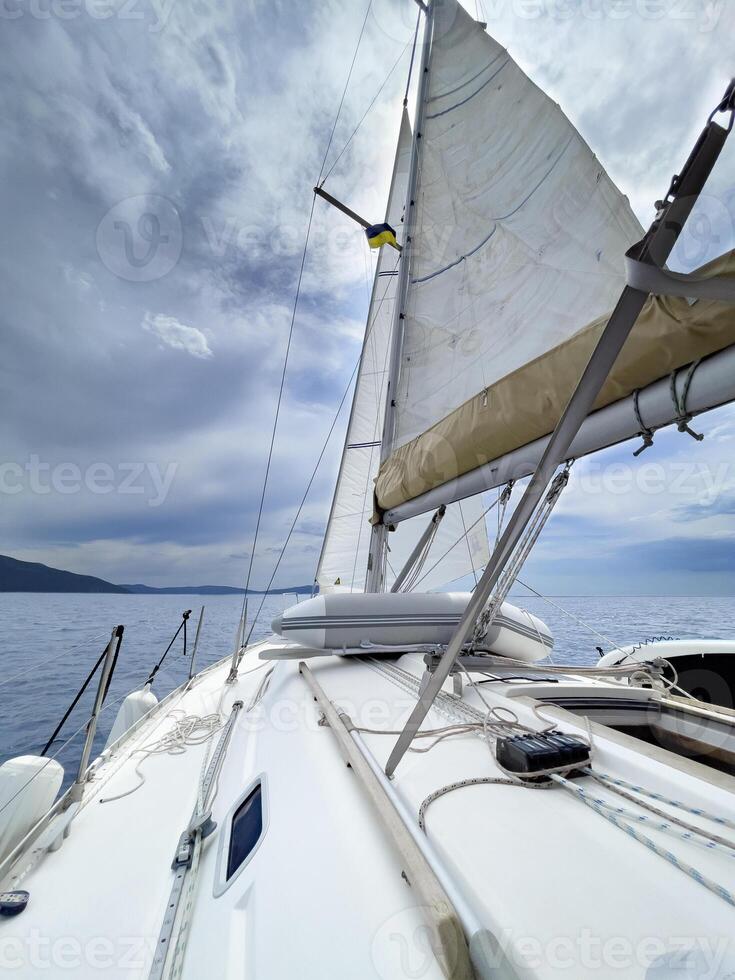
pixel 30 576
pixel 209 590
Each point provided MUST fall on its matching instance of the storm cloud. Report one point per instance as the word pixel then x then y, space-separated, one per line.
pixel 157 165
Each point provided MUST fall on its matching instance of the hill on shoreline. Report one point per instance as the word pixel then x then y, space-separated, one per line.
pixel 30 576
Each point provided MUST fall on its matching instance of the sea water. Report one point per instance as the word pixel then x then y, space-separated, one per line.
pixel 49 643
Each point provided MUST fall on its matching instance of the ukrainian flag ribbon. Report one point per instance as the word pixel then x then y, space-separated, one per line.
pixel 378 235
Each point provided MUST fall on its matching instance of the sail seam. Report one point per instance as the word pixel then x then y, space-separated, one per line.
pixel 546 176
pixel 435 115
pixel 433 275
pixel 451 91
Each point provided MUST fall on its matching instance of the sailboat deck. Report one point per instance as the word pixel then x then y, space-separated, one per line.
pixel 564 891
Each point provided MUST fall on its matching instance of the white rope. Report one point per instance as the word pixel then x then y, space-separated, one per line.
pixel 187 730
pixel 414 574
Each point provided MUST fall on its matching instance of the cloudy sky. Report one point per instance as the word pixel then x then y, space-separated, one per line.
pixel 157 162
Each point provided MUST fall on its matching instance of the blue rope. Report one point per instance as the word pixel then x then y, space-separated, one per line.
pixel 605 810
pixel 696 811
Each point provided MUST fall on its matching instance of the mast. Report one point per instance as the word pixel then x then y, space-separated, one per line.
pixel 378 539
pixel 359 438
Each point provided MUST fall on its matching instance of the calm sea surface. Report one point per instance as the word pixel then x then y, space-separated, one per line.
pixel 48 644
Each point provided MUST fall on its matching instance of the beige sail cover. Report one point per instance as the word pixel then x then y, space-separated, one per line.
pixel 347 539
pixel 519 242
pixel 525 405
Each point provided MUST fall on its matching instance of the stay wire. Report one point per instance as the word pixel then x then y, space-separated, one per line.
pixel 580 622
pixel 301 505
pixel 51 758
pixel 293 315
pixel 459 539
pixel 320 182
pixel 364 116
pixel 413 55
pixel 314 471
pixel 51 656
pixel 75 702
pixel 280 396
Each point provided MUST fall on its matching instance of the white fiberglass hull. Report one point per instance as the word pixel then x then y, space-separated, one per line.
pixel 552 886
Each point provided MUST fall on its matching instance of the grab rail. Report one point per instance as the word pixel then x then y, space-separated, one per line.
pixel 421 872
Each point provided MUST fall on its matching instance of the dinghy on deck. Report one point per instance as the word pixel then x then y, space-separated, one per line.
pixel 357 622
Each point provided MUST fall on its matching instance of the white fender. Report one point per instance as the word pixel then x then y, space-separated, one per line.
pixel 134 707
pixel 44 778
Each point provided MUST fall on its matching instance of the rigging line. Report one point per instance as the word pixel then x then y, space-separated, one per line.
pixel 413 55
pixel 293 319
pixel 74 703
pixel 368 334
pixel 303 501
pixel 51 758
pixel 50 656
pixel 467 540
pixel 581 622
pixel 344 92
pixel 364 115
pixel 280 399
pixel 311 215
pixel 459 539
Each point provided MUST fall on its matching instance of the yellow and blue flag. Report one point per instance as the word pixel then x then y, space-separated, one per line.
pixel 378 235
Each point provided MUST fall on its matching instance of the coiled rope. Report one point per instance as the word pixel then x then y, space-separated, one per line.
pixel 187 730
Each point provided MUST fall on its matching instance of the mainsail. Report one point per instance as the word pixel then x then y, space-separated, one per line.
pixel 346 544
pixel 517 257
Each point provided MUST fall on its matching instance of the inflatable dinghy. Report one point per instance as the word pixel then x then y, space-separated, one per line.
pixel 357 620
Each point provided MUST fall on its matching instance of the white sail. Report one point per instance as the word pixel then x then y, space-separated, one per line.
pixel 459 548
pixel 517 259
pixel 520 232
pixel 346 542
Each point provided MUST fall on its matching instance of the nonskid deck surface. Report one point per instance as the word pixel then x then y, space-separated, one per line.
pixel 564 892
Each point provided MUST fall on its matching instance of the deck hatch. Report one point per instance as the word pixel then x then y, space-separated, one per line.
pixel 246 830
